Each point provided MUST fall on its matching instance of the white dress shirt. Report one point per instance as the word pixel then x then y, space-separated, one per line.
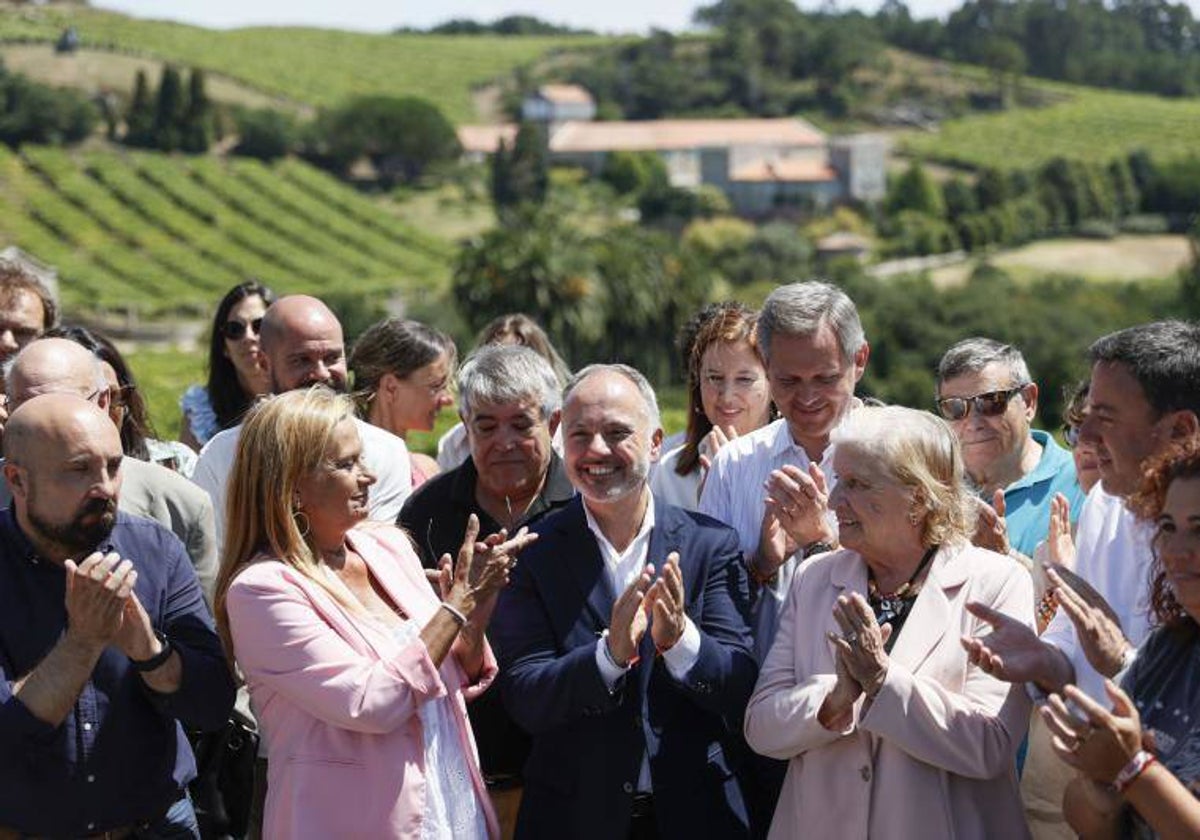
pixel 1113 554
pixel 735 494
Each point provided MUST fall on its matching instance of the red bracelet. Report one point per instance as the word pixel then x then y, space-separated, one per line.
pixel 1131 771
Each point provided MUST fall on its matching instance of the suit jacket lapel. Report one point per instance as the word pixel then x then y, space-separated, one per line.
pixel 586 565
pixel 664 538
pixel 931 615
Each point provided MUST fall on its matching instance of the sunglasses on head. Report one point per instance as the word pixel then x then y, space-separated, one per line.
pixel 236 330
pixel 991 404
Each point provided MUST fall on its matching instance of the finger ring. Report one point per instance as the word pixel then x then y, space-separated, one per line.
pixel 850 638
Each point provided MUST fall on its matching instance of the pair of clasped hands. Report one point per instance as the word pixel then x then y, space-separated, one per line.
pixel 651 603
pixel 102 608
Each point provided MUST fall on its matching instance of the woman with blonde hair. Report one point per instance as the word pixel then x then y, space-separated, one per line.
pixel 889 730
pixel 358 672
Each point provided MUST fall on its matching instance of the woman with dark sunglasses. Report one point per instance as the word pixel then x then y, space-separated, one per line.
pixel 235 371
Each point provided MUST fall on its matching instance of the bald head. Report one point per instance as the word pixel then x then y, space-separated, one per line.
pixel 303 345
pixel 51 421
pixel 54 366
pixel 63 461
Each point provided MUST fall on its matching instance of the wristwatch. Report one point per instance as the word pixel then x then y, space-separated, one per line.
pixel 159 659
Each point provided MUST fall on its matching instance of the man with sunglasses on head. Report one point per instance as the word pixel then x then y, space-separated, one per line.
pixel 985 392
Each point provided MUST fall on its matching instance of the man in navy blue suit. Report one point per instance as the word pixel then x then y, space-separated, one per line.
pixel 624 641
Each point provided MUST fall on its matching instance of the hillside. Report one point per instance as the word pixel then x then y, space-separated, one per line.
pixel 310 66
pixel 163 236
pixel 1085 123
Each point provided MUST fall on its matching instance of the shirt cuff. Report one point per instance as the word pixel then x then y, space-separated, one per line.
pixel 681 656
pixel 610 671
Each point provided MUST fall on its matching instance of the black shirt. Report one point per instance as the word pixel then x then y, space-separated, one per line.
pixel 435 516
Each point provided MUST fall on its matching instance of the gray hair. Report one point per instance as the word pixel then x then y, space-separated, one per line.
pixel 649 400
pixel 507 373
pixel 800 309
pixel 922 452
pixel 1164 358
pixel 971 355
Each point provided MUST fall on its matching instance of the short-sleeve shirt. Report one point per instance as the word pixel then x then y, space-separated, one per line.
pixel 1164 682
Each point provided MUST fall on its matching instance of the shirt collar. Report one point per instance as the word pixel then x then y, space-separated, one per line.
pixel 643 532
pixel 1048 465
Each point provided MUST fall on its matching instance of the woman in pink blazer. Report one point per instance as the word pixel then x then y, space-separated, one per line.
pixel 357 671
pixel 867 690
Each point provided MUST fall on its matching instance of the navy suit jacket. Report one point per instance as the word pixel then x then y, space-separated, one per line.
pixel 588 743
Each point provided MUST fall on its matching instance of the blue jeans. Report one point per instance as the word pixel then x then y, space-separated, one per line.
pixel 178 823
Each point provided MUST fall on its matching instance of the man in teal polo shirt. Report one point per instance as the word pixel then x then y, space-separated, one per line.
pixel 986 393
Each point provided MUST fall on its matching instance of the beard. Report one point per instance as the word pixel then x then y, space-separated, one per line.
pixel 77 536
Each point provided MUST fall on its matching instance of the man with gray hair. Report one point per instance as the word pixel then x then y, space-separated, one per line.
pixel 816 352
pixel 509 400
pixel 623 641
pixel 985 392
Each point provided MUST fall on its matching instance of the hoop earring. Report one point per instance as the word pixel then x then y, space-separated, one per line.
pixel 296 514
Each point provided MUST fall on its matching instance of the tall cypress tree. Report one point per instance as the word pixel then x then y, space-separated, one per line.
pixel 196 127
pixel 139 120
pixel 169 110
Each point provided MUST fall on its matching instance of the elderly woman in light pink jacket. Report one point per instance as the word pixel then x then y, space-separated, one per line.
pixel 867 690
pixel 358 672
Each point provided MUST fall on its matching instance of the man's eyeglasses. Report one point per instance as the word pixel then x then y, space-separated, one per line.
pixel 236 330
pixel 991 404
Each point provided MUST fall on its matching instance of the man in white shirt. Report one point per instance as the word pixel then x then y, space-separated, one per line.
pixel 1144 397
pixel 772 485
pixel 624 745
pixel 302 344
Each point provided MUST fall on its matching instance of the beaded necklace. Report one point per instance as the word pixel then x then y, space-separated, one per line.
pixel 893 608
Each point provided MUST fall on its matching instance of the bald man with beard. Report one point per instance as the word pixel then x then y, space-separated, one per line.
pixel 56 365
pixel 302 346
pixel 106 645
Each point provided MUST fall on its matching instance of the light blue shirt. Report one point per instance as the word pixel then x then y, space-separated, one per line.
pixel 1027 500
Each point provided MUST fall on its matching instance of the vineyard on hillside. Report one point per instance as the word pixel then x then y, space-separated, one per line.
pixel 312 66
pixel 163 235
pixel 1089 124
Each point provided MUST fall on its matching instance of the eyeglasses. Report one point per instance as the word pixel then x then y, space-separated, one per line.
pixel 991 404
pixel 1071 435
pixel 236 330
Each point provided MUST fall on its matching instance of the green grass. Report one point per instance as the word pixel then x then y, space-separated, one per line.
pixel 312 66
pixel 1091 124
pixel 164 236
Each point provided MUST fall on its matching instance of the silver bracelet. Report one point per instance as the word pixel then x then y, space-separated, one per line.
pixel 462 619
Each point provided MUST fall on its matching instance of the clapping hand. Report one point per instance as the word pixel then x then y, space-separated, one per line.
pixel 860 648
pixel 1012 651
pixel 1091 739
pixel 800 501
pixel 991 529
pixel 482 567
pixel 1099 635
pixel 97 591
pixel 664 605
pixel 628 622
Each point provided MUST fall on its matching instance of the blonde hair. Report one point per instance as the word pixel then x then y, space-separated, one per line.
pixel 284 438
pixel 922 452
